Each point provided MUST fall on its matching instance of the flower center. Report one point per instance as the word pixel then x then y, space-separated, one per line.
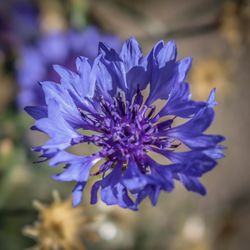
pixel 125 129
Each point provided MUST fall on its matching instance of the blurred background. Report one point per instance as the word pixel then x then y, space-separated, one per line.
pixel 36 34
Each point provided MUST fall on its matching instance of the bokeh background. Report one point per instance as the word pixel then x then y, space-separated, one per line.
pixel 215 33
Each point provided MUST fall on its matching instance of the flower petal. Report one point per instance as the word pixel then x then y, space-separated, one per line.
pixel 37 112
pixel 179 103
pixel 77 169
pixel 191 184
pixel 167 53
pixel 131 53
pixel 77 193
pixel 60 132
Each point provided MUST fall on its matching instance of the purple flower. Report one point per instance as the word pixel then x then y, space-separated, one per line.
pixel 35 63
pixel 105 97
pixel 19 22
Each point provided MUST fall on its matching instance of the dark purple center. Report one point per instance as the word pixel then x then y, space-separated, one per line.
pixel 126 129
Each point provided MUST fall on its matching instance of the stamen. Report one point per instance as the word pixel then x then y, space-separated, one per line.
pixel 126 130
pixel 151 111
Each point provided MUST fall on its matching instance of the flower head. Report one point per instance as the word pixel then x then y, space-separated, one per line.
pixel 19 21
pixel 62 48
pixel 60 226
pixel 106 97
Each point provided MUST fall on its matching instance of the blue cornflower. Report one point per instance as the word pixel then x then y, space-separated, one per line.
pixel 105 96
pixel 19 21
pixel 36 60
